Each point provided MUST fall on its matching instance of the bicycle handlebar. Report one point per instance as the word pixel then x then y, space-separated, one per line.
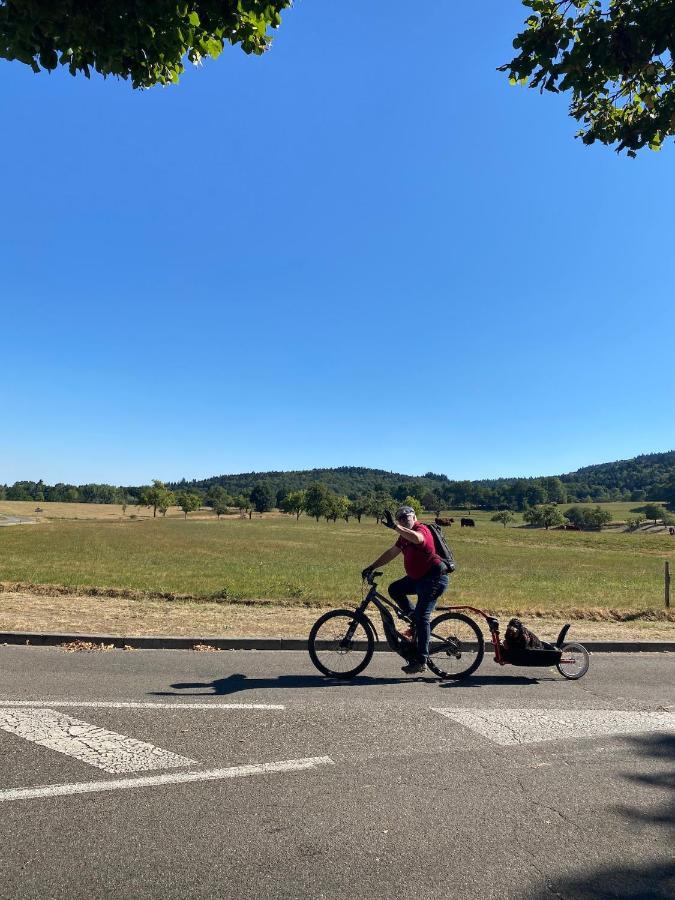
pixel 373 575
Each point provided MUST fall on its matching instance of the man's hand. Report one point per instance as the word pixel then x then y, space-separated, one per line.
pixel 388 520
pixel 367 572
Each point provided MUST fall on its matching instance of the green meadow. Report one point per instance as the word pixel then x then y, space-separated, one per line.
pixel 304 562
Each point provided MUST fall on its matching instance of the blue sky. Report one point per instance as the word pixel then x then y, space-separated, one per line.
pixel 364 248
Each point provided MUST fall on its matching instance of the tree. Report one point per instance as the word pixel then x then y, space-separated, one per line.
pixel 588 518
pixel 220 508
pixel 145 42
pixel 416 505
pixel 158 496
pixel 575 515
pixel 262 497
pixel 597 517
pixel 504 516
pixel 317 500
pixel 544 515
pixel 359 507
pixel 653 511
pixel 294 503
pixel 532 515
pixel 378 503
pixel 336 508
pixel 551 515
pixel 243 504
pixel 616 58
pixel 189 502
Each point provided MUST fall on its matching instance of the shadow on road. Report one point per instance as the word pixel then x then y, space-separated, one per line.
pixel 235 683
pixel 661 747
pixel 655 882
pixel 474 681
pixel 648 881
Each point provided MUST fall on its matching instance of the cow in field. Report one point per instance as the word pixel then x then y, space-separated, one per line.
pixel 467 523
pixel 443 522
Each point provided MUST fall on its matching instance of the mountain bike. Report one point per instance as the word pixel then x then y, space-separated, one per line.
pixel 342 642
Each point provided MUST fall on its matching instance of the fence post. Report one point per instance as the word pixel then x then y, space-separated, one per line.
pixel 667 584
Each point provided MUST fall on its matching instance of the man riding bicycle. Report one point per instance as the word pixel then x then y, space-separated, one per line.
pixel 426 576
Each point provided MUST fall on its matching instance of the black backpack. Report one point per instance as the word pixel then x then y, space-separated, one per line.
pixel 441 546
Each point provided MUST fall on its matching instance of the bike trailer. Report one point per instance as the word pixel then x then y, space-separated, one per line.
pixel 548 655
pixel 528 657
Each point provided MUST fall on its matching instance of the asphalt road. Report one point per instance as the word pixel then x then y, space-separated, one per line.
pixel 387 786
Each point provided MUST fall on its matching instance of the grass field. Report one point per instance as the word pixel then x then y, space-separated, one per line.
pixel 305 563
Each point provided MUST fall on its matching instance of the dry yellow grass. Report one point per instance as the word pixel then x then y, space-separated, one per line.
pixel 98 511
pixel 124 616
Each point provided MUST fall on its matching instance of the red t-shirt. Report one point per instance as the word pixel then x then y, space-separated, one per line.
pixel 418 558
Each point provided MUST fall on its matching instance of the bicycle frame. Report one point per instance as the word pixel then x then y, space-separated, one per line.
pixel 396 641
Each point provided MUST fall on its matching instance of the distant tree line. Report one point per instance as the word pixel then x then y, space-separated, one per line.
pixel 65 493
pixel 643 479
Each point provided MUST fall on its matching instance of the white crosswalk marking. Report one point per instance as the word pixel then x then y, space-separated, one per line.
pixel 127 704
pixel 90 744
pixel 525 726
pixel 64 790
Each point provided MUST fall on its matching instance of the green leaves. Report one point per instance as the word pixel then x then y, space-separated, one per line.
pixel 144 41
pixel 616 58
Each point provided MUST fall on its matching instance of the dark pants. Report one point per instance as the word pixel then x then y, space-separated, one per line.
pixel 428 590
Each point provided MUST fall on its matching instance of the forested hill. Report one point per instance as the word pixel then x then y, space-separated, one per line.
pixel 639 473
pixel 651 476
pixel 347 480
pixel 648 477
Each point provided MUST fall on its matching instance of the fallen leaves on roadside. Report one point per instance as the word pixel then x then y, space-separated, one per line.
pixel 206 648
pixel 79 646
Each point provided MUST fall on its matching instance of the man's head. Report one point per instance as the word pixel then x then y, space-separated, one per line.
pixel 405 515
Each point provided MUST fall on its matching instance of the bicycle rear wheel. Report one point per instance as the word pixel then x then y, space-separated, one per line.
pixel 341 644
pixel 457 646
pixel 574 662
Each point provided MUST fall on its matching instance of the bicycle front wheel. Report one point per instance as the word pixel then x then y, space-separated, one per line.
pixel 341 644
pixel 574 662
pixel 457 646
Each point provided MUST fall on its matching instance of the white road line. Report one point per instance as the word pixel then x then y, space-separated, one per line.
pixel 61 790
pixel 90 744
pixel 110 704
pixel 525 726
